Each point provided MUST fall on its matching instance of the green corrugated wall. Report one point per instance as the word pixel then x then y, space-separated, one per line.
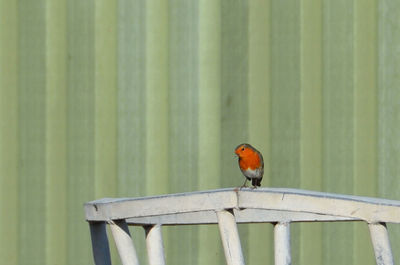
pixel 132 98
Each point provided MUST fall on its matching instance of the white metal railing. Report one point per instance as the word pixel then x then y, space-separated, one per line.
pixel 227 207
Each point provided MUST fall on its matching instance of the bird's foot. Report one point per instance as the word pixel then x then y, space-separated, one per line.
pixel 243 186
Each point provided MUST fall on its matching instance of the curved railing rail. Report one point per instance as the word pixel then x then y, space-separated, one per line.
pixel 227 207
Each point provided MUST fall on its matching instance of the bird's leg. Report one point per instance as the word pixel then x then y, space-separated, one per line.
pixel 244 184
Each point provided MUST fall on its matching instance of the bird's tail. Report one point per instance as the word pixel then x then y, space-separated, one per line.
pixel 256 182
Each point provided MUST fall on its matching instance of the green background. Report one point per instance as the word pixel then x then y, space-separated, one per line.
pixel 133 98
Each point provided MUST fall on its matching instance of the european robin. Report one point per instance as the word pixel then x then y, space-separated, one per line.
pixel 251 164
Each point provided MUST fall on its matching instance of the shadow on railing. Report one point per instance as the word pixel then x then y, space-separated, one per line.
pixel 227 207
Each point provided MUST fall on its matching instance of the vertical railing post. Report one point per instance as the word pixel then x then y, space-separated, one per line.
pixel 230 238
pixel 124 243
pixel 381 243
pixel 282 244
pixel 100 247
pixel 154 245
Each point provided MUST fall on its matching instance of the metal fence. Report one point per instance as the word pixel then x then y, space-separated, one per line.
pixel 227 207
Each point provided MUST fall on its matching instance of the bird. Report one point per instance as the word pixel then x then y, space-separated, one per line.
pixel 251 163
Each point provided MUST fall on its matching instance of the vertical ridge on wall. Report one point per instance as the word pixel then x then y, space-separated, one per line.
pixel 209 117
pixel 311 122
pixel 365 118
pixel 234 103
pixel 9 123
pixel 338 120
pixel 285 94
pixel 234 96
pixel 209 89
pixel 80 120
pixel 259 79
pixel 32 131
pixel 105 49
pixel 259 104
pixel 183 119
pixel 183 95
pixel 389 108
pixel 365 98
pixel 131 98
pixel 157 80
pixel 56 133
pixel 311 95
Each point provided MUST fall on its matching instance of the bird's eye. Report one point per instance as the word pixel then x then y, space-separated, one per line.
pixel 243 148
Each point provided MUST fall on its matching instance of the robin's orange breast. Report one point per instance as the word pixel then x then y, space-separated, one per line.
pixel 251 161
